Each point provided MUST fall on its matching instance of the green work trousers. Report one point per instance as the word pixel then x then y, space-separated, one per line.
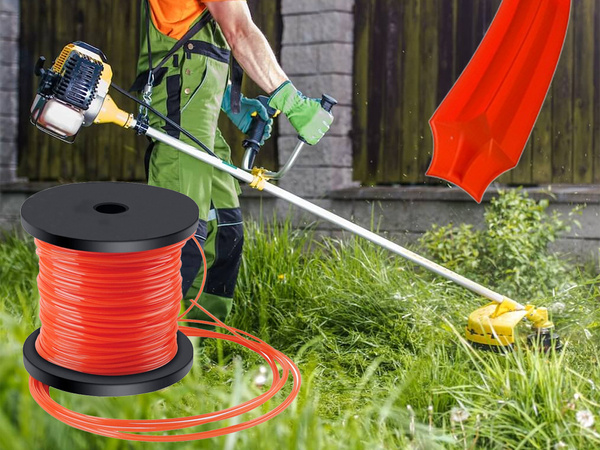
pixel 189 90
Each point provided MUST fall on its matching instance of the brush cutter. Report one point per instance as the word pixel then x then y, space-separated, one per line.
pixel 74 94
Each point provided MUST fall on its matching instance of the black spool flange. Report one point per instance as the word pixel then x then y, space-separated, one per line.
pixel 109 218
pixel 108 386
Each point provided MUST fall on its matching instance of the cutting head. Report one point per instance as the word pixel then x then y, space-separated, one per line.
pixel 492 327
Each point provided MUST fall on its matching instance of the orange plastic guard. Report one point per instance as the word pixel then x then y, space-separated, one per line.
pixel 482 126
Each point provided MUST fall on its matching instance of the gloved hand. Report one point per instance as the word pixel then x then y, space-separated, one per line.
pixel 243 119
pixel 305 114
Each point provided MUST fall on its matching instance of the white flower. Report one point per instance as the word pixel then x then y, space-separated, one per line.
pixel 263 370
pixel 559 445
pixel 585 418
pixel 557 307
pixel 260 380
pixel 459 415
pixel 398 296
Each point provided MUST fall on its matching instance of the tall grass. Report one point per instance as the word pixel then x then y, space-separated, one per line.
pixel 379 344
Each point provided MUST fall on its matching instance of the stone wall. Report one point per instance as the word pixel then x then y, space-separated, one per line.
pixel 9 61
pixel 317 54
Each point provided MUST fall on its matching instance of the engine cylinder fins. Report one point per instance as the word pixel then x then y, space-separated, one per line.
pixel 79 82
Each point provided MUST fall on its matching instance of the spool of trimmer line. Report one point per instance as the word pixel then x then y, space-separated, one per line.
pixel 110 297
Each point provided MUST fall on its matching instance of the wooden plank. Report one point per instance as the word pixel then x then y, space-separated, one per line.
pixel 46 29
pixel 596 118
pixel 541 140
pixel 26 88
pixel 445 44
pixel 63 156
pixel 55 154
pixel 392 72
pixel 361 165
pixel 583 91
pixel 135 146
pixel 562 114
pixel 429 70
pixel 411 101
pixel 375 106
pixel 465 47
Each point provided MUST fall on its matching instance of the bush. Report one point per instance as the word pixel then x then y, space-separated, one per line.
pixel 512 252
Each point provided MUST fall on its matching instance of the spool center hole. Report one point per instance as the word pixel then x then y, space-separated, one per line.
pixel 111 208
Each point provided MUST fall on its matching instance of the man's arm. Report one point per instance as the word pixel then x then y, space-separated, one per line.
pixel 253 52
pixel 248 43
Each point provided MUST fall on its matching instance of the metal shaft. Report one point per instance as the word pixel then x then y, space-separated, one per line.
pixel 327 215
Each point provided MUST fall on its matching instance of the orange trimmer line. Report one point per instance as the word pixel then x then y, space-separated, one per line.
pixel 125 429
pixel 89 300
pixel 481 128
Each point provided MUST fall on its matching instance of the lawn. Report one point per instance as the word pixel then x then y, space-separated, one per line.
pixel 378 341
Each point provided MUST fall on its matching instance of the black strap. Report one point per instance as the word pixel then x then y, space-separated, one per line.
pixel 237 76
pixel 204 48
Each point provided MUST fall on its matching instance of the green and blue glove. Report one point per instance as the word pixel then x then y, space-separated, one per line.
pixel 305 114
pixel 249 107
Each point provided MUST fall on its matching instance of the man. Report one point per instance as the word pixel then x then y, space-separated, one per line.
pixel 191 87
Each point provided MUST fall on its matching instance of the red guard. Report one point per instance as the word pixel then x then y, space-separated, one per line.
pixel 481 128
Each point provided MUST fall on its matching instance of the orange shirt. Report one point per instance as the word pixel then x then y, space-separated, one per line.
pixel 174 17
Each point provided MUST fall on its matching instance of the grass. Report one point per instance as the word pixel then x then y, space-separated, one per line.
pixel 379 344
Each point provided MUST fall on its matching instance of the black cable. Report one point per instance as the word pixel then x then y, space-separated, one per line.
pixel 166 119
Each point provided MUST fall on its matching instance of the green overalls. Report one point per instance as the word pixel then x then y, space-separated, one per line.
pixel 189 90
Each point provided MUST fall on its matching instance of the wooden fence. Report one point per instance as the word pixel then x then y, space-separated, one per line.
pixel 101 152
pixel 409 54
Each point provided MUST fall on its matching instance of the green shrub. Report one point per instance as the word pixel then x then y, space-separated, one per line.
pixel 512 252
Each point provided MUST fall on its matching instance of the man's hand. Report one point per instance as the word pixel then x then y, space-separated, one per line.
pixel 243 119
pixel 305 114
pixel 253 52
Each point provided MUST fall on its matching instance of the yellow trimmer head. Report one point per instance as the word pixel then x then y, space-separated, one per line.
pixel 492 327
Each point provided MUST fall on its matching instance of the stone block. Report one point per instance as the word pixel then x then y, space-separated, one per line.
pixel 336 57
pixel 416 217
pixel 342 124
pixel 318 28
pixel 318 58
pixel 300 59
pixel 255 208
pixel 312 6
pixel 9 102
pixel 9 80
pixel 337 85
pixel 9 52
pixel 8 153
pixel 316 182
pixel 8 174
pixel 10 25
pixel 9 6
pixel 9 126
pixel 332 151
